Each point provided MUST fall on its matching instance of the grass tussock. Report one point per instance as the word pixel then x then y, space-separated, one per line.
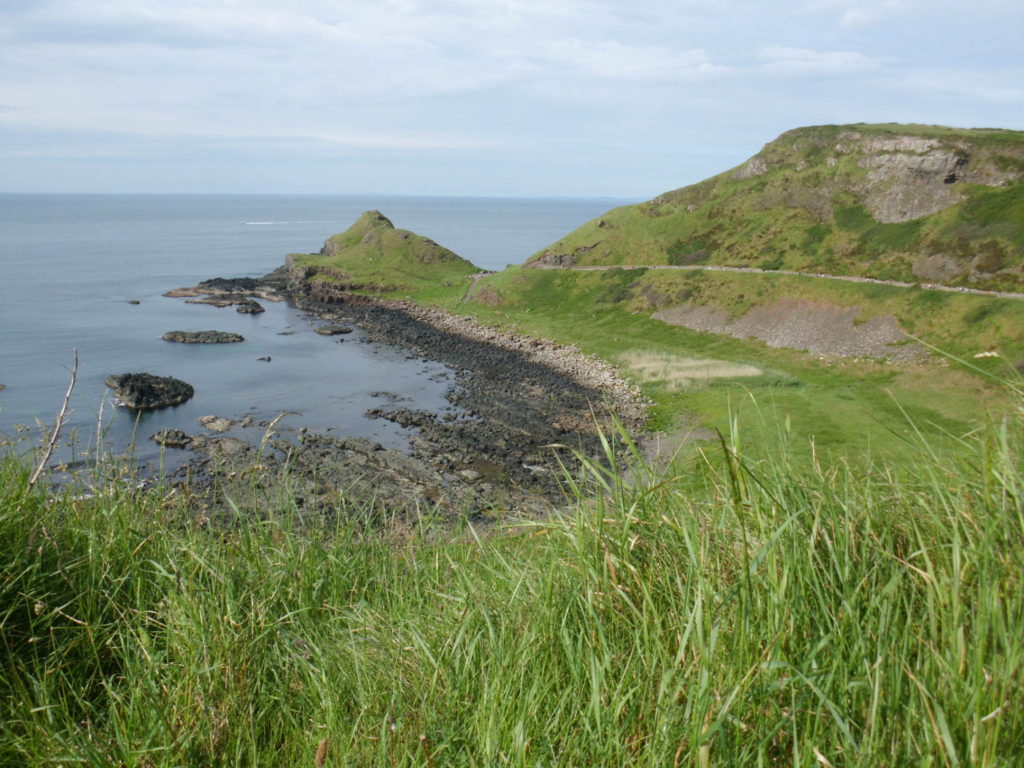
pixel 737 613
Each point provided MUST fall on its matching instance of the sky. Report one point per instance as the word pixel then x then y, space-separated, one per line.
pixel 588 98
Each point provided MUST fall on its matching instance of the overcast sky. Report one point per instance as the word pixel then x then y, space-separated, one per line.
pixel 622 98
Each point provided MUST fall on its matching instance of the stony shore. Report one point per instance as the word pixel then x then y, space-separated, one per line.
pixel 525 408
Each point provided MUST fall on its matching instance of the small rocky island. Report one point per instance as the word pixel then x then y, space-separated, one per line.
pixel 144 391
pixel 203 337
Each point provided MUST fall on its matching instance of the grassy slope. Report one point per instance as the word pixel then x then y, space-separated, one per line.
pixel 783 612
pixel 806 212
pixel 373 255
pixel 849 407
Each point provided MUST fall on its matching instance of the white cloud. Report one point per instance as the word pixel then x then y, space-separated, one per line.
pixel 613 60
pixel 974 86
pixel 448 75
pixel 861 13
pixel 805 61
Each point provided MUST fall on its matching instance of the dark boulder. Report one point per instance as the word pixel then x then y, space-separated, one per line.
pixel 333 330
pixel 203 337
pixel 144 391
pixel 231 284
pixel 172 438
pixel 249 307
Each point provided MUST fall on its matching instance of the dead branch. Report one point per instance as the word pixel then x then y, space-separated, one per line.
pixel 58 424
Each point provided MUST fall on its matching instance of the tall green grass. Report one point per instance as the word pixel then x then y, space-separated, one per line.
pixel 725 613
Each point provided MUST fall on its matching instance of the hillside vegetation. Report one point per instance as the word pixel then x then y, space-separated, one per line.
pixel 901 202
pixel 373 256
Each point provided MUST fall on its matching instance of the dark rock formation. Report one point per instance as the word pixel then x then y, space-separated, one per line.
pixel 171 438
pixel 232 284
pixel 202 337
pixel 144 391
pixel 249 307
pixel 333 330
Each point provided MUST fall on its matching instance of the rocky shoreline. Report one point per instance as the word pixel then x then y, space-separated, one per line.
pixel 525 406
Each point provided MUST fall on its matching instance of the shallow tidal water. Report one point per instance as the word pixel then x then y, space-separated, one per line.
pixel 71 263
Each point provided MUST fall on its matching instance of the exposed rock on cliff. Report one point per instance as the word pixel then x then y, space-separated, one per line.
pixel 821 329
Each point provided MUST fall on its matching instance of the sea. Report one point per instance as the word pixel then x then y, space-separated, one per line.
pixel 71 267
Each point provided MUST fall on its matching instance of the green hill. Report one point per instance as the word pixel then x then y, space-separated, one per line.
pixel 900 202
pixel 373 256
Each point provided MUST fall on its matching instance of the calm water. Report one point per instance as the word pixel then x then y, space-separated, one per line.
pixel 70 263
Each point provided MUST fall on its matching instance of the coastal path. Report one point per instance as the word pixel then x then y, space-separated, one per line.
pixel 756 271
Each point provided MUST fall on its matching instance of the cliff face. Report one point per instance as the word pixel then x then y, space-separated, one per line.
pixel 888 201
pixel 907 176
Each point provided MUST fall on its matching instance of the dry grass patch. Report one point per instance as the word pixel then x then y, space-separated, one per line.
pixel 675 371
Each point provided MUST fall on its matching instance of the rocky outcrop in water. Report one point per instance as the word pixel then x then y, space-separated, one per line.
pixel 216 423
pixel 232 291
pixel 172 438
pixel 203 337
pixel 333 330
pixel 144 391
pixel 249 307
pixel 328 475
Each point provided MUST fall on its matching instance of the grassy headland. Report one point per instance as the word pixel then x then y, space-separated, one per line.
pixel 896 202
pixel 372 256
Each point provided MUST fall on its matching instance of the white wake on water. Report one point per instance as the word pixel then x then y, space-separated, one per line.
pixel 267 223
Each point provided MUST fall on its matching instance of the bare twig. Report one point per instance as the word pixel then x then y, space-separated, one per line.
pixel 99 426
pixel 58 424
